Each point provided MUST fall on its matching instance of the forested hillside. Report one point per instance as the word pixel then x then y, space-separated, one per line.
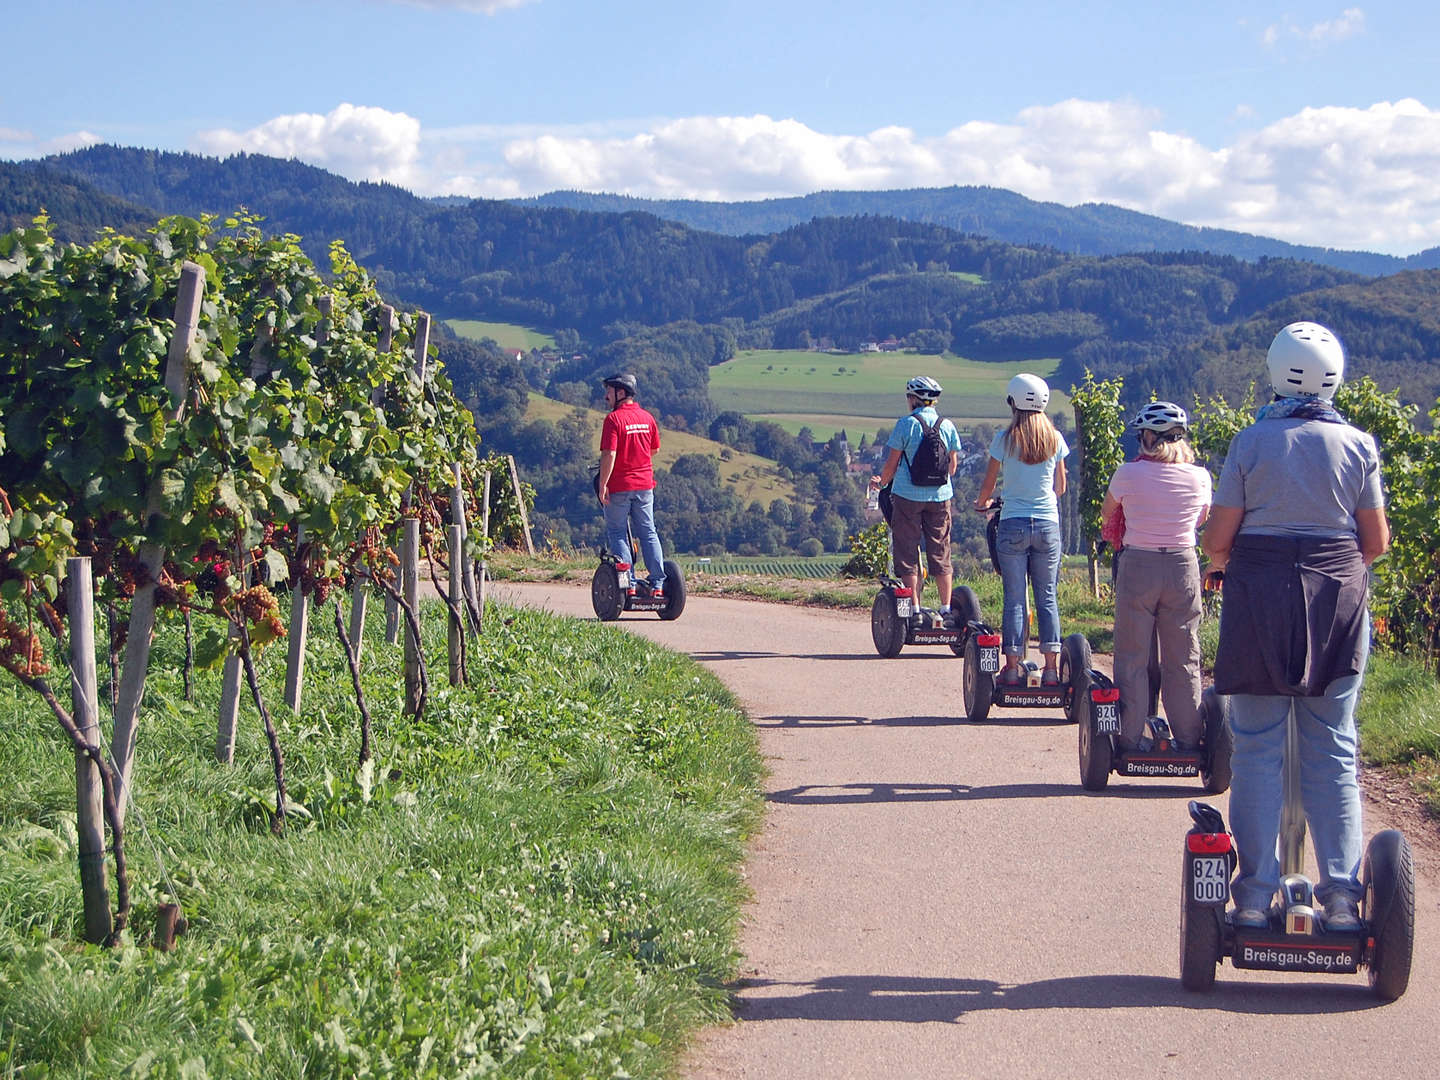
pixel 1089 229
pixel 634 291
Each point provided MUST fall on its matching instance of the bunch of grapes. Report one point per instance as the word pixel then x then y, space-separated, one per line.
pixel 20 650
pixel 260 610
pixel 213 579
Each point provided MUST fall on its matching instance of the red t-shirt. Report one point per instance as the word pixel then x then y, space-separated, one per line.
pixel 634 436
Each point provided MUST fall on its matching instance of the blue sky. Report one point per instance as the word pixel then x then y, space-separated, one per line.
pixel 1317 123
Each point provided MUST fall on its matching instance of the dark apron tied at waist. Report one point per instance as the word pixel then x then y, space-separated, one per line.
pixel 1294 615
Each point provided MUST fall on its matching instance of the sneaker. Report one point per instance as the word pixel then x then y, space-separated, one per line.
pixel 1050 677
pixel 1250 918
pixel 1011 677
pixel 1342 914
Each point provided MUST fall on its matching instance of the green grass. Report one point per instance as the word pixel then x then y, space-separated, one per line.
pixel 506 335
pixel 540 879
pixel 1399 718
pixel 833 389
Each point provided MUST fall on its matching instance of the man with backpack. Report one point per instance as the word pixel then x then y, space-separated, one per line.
pixel 920 493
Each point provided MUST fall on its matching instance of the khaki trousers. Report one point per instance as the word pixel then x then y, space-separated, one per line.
pixel 1158 592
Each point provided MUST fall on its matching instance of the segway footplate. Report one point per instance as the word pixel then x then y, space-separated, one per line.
pixel 1159 763
pixel 1327 954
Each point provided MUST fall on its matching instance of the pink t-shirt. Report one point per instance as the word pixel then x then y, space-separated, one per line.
pixel 1163 503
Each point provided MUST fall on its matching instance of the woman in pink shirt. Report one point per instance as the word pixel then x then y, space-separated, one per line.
pixel 1165 496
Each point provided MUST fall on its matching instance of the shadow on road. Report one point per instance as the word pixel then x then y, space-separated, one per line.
pixel 897 999
pixel 840 794
pixel 740 654
pixel 904 721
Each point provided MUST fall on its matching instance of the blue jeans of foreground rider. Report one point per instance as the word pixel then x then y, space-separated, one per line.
pixel 1029 548
pixel 1328 788
pixel 637 509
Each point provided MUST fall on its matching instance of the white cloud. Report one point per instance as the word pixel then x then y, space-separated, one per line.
pixel 1336 176
pixel 361 142
pixel 16 144
pixel 1350 23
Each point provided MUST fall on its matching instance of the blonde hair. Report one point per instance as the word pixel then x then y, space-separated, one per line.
pixel 1170 452
pixel 1031 436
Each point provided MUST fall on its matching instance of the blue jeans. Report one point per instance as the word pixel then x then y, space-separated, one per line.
pixel 637 509
pixel 1328 788
pixel 1029 547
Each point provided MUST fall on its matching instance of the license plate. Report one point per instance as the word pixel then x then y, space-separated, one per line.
pixel 622 578
pixel 902 606
pixel 1107 717
pixel 1210 879
pixel 990 658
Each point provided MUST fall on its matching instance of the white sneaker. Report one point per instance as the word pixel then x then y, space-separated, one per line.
pixel 1342 914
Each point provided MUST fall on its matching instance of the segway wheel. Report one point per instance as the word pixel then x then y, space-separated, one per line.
pixel 1219 742
pixel 1095 755
pixel 967 610
pixel 887 629
pixel 1074 657
pixel 1388 877
pixel 977 688
pixel 1199 944
pixel 605 594
pixel 674 592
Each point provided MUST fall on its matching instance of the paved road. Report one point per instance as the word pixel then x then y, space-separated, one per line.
pixel 939 899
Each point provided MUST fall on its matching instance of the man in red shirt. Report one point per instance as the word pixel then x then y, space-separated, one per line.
pixel 628 441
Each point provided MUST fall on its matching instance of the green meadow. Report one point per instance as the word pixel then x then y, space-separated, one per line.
pixel 827 391
pixel 506 335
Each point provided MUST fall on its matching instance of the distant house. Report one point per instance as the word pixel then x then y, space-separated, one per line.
pixel 869 346
pixel 889 345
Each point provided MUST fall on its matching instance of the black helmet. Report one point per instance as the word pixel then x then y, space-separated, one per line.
pixel 622 380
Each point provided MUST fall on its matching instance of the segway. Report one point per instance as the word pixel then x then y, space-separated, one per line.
pixel 1097 705
pixel 980 647
pixel 614 587
pixel 897 620
pixel 896 617
pixel 1296 937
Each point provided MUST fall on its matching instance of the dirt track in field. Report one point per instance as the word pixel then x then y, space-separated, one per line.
pixel 933 898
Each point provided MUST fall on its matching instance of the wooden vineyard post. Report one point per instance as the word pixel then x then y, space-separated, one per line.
pixel 520 503
pixel 359 597
pixel 457 551
pixel 299 630
pixel 456 638
pixel 392 610
pixel 485 544
pixel 152 555
pixel 410 589
pixel 89 791
pixel 421 348
pixel 229 706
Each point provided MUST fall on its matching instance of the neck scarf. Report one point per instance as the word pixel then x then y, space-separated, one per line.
pixel 1301 408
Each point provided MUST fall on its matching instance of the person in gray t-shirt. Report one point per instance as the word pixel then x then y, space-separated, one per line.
pixel 1297 519
pixel 1298 477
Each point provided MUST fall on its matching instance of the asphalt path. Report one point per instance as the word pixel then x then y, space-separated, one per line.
pixel 934 898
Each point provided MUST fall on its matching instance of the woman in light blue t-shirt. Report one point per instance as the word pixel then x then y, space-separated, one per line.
pixel 1032 453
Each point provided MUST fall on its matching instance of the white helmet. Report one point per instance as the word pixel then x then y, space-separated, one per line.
pixel 1161 416
pixel 923 387
pixel 1306 360
pixel 1028 393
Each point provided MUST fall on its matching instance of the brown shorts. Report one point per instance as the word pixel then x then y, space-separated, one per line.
pixel 910 522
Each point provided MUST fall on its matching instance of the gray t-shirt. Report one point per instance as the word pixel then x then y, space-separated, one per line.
pixel 1295 477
